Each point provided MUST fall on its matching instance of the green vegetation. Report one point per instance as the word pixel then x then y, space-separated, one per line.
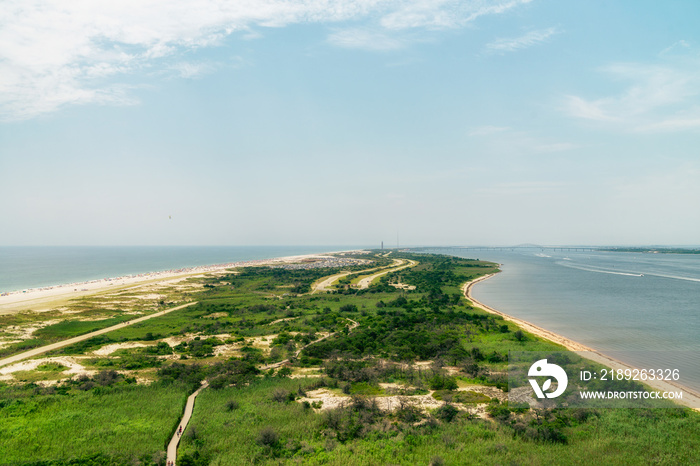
pixel 119 424
pixel 73 328
pixel 400 377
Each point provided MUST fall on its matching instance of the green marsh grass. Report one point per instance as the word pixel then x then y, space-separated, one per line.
pixel 126 423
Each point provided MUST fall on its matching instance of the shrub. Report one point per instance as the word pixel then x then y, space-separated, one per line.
pixel 107 378
pixel 281 395
pixel 446 412
pixel 268 437
pixel 407 412
pixel 441 382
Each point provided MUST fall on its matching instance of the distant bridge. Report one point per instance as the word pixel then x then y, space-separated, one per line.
pixel 522 246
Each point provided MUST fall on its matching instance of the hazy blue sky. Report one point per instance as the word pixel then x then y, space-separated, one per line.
pixel 340 122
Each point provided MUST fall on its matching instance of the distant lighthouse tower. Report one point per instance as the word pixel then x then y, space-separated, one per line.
pixel 382 245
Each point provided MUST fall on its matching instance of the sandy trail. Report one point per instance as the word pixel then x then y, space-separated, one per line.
pixel 189 408
pixel 690 399
pixel 70 341
pixel 352 327
pixel 327 282
pixel 398 264
pixel 367 281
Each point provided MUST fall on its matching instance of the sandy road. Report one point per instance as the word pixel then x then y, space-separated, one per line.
pixel 367 281
pixel 327 282
pixel 70 341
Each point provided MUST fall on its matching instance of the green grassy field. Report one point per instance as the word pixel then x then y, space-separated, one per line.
pixel 125 424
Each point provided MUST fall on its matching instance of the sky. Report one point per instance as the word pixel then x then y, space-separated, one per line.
pixel 323 122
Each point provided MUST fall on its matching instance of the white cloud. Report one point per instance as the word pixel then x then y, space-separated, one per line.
pixel 681 46
pixel 191 69
pixel 368 39
pixel 522 42
pixel 487 130
pixel 654 98
pixel 591 110
pixel 673 124
pixel 56 52
pixel 443 14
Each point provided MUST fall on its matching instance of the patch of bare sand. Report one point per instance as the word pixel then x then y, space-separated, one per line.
pixel 8 343
pixel 491 392
pixel 331 400
pixel 226 350
pixel 111 348
pixel 262 343
pixel 25 332
pixel 149 297
pixel 73 367
pixel 403 286
pixel 423 364
pixel 304 372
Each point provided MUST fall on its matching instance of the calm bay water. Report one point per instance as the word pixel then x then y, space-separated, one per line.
pixel 35 267
pixel 643 309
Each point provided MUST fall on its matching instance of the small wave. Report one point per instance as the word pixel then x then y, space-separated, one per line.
pixel 611 272
pixel 675 277
pixel 542 255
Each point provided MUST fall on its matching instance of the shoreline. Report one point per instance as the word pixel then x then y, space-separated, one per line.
pixel 38 299
pixel 693 398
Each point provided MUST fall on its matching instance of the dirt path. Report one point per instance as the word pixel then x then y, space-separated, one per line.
pixel 189 408
pixel 70 341
pixel 367 281
pixel 296 355
pixel 326 283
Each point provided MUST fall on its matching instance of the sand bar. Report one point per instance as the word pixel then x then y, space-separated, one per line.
pixel 690 399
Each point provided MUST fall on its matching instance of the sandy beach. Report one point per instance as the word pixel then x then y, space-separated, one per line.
pixel 691 398
pixel 45 298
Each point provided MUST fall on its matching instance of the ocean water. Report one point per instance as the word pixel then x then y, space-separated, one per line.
pixel 643 309
pixel 35 267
